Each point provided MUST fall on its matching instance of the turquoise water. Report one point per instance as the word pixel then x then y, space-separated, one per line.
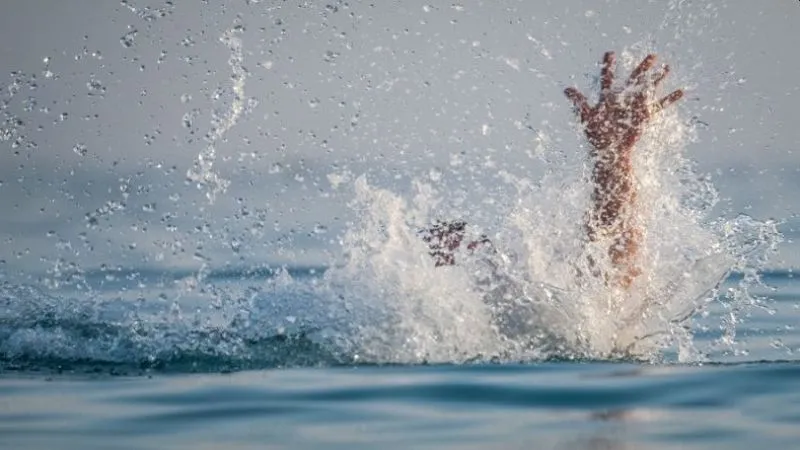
pixel 95 377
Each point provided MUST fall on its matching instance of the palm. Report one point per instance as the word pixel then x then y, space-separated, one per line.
pixel 621 114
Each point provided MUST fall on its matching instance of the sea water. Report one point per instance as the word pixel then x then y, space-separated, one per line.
pixel 105 376
pixel 522 347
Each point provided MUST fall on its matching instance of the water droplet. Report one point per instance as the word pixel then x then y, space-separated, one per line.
pixel 95 87
pixel 80 149
pixel 320 229
pixel 313 103
pixel 330 56
pixel 29 104
pixel 236 245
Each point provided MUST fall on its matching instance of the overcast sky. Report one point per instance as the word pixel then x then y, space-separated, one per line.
pixel 107 105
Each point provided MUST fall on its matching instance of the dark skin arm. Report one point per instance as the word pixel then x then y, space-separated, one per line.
pixel 613 127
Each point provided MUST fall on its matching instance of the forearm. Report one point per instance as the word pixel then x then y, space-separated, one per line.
pixel 614 191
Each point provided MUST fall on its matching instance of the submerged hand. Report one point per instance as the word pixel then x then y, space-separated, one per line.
pixel 444 239
pixel 619 118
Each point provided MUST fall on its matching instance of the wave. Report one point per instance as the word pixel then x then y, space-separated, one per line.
pixel 43 333
pixel 39 332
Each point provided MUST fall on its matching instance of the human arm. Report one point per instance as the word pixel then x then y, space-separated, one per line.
pixel 613 127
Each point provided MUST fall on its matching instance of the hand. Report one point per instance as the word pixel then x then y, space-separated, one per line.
pixel 444 238
pixel 619 118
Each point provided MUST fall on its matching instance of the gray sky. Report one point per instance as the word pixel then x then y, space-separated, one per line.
pixel 113 100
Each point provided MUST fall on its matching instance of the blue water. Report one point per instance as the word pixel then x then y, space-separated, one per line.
pixel 92 377
pixel 544 405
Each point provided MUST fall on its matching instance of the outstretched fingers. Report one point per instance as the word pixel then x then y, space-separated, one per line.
pixel 637 76
pixel 579 101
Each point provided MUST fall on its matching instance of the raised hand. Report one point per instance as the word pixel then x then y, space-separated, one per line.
pixel 619 118
pixel 613 127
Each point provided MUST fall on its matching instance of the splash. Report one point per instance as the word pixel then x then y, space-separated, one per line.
pixel 202 172
pixel 242 328
pixel 383 300
pixel 399 308
pixel 538 296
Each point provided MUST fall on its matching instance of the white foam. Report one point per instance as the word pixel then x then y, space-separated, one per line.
pixel 537 294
